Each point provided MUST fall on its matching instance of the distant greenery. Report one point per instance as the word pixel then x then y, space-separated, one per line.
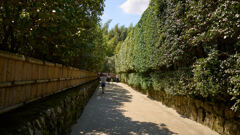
pixel 186 47
pixel 114 37
pixel 113 40
pixel 63 31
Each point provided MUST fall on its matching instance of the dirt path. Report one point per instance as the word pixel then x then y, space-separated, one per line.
pixel 123 111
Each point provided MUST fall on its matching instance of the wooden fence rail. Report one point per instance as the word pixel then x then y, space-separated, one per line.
pixel 24 79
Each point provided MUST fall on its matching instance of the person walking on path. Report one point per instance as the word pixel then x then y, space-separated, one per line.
pixel 117 78
pixel 108 78
pixel 103 81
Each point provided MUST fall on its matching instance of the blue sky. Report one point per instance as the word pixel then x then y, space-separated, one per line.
pixel 123 12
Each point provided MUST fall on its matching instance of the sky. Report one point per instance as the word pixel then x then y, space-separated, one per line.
pixel 123 12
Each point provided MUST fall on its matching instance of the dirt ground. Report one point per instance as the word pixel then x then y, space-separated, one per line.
pixel 124 111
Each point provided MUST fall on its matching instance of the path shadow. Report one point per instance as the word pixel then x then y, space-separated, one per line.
pixel 103 115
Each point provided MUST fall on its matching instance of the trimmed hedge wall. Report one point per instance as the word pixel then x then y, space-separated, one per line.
pixel 189 47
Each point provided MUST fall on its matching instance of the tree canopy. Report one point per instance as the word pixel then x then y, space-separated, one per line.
pixel 63 31
pixel 114 37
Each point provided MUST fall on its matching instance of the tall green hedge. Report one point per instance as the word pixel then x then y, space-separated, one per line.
pixel 188 47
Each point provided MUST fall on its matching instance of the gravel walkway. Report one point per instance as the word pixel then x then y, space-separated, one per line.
pixel 124 111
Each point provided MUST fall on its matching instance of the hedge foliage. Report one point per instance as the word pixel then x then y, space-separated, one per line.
pixel 188 47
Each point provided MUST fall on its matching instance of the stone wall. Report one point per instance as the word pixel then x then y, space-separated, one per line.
pixel 53 115
pixel 217 116
pixel 25 79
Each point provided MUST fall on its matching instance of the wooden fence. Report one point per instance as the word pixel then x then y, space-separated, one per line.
pixel 24 79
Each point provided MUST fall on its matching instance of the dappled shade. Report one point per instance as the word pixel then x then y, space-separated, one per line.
pixel 103 115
